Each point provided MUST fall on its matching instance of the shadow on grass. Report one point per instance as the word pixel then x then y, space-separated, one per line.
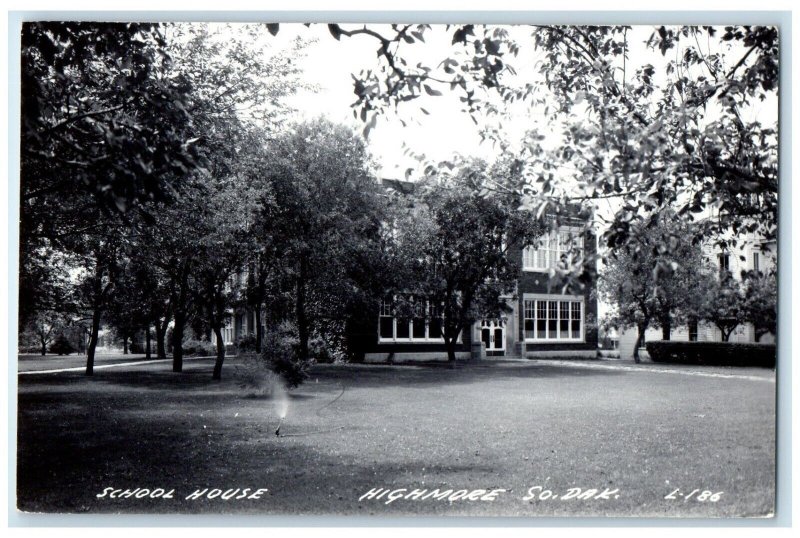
pixel 323 377
pixel 372 376
pixel 125 440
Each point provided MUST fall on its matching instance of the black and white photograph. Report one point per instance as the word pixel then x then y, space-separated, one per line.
pixel 400 268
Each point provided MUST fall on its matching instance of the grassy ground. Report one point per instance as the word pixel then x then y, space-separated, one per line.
pixel 509 425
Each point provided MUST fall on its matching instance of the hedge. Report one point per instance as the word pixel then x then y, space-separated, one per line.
pixel 713 353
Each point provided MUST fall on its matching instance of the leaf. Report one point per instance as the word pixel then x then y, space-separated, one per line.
pixel 431 91
pixel 335 31
pixel 371 125
pixel 460 35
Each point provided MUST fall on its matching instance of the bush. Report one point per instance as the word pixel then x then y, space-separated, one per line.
pixel 255 374
pixel 280 352
pixel 246 343
pixel 321 350
pixel 62 346
pixel 198 348
pixel 713 353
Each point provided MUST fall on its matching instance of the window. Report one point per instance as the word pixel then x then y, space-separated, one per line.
pixel 756 262
pixel 693 326
pixel 551 249
pixel 724 263
pixel 419 328
pixel 553 320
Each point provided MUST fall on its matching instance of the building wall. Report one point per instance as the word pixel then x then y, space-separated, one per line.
pixel 741 258
pixel 706 332
pixel 535 284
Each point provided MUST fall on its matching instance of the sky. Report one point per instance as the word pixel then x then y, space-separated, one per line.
pixel 329 64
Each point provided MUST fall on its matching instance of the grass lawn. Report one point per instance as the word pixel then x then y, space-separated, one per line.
pixel 349 429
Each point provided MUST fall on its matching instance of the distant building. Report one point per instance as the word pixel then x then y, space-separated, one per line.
pixel 542 321
pixel 752 253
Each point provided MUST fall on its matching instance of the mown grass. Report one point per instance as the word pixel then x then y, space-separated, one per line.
pixel 353 428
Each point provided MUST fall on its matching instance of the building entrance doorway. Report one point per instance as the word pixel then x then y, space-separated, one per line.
pixel 493 335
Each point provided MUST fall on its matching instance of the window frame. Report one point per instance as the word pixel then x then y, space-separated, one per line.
pixel 411 339
pixel 536 304
pixel 548 254
pixel 724 262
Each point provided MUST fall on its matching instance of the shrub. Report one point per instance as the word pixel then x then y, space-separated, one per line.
pixel 198 348
pixel 246 343
pixel 281 354
pixel 713 353
pixel 62 346
pixel 255 374
pixel 322 350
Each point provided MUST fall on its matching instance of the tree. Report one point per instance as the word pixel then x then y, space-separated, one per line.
pixel 104 129
pixel 324 211
pixel 659 129
pixel 723 304
pixel 760 302
pixel 95 286
pixel 453 250
pixel 118 124
pixel 99 113
pixel 656 278
pixel 224 244
pixel 43 328
pixel 128 310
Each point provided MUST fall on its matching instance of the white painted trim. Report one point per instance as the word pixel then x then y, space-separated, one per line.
pixel 582 353
pixel 411 356
pixel 555 297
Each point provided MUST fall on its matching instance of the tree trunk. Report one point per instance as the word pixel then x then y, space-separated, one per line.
pixel 95 331
pixel 450 341
pixel 44 347
pixel 759 333
pixel 161 337
pixel 300 310
pixel 147 349
pixel 666 329
pixel 639 341
pixel 726 334
pixel 177 342
pixel 220 354
pixel 124 345
pixel 259 331
pixel 450 345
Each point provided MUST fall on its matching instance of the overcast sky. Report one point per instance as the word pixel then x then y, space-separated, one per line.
pixel 329 64
pixel 448 130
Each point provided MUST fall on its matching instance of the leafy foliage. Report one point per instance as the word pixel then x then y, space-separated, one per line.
pixel 761 301
pixel 452 246
pixel 100 113
pixel 62 346
pixel 283 354
pixel 657 278
pixel 723 304
pixel 713 353
pixel 669 131
pixel 323 222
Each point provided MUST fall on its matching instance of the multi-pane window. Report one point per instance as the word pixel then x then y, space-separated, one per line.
pixel 546 319
pixel 551 249
pixel 416 328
